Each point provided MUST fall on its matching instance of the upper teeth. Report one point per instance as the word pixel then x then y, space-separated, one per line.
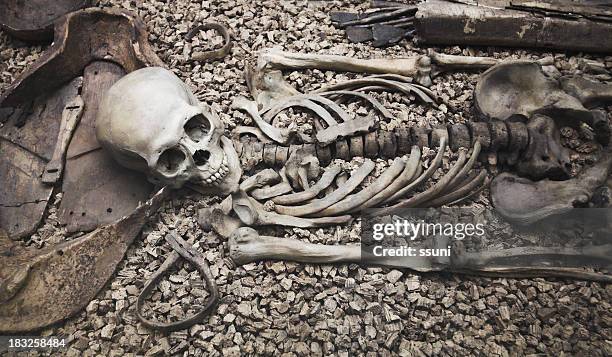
pixel 215 177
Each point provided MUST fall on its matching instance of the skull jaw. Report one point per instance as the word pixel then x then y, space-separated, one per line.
pixel 230 182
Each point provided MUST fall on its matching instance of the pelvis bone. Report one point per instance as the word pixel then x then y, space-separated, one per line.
pixel 524 201
pixel 521 88
pixel 520 91
pixel 150 121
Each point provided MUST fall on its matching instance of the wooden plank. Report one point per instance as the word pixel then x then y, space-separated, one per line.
pixel 35 128
pixel 32 20
pixel 441 22
pixel 23 197
pixel 97 190
pixel 27 142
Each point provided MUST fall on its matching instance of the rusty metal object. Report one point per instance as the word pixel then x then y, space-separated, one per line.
pixel 213 54
pixel 33 20
pixel 42 287
pixel 97 190
pixel 185 250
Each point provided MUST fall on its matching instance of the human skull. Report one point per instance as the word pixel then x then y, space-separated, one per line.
pixel 150 121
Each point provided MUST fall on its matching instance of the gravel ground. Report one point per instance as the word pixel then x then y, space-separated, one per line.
pixel 278 308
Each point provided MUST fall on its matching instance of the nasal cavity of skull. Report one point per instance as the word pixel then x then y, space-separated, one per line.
pixel 170 161
pixel 200 157
pixel 197 128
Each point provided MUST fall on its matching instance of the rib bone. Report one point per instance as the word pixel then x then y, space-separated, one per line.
pixel 326 179
pixel 357 199
pixel 252 213
pixel 375 103
pixel 271 112
pixel 465 170
pixel 360 84
pixel 430 193
pixel 433 166
pixel 406 177
pixel 320 204
pixel 300 101
pixel 466 189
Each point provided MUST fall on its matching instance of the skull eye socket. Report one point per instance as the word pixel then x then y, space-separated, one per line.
pixel 197 128
pixel 170 161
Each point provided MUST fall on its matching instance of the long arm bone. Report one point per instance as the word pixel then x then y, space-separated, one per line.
pixel 417 67
pixel 246 245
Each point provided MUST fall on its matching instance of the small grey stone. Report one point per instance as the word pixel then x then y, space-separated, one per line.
pixel 107 331
pixel 229 318
pixel 394 275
